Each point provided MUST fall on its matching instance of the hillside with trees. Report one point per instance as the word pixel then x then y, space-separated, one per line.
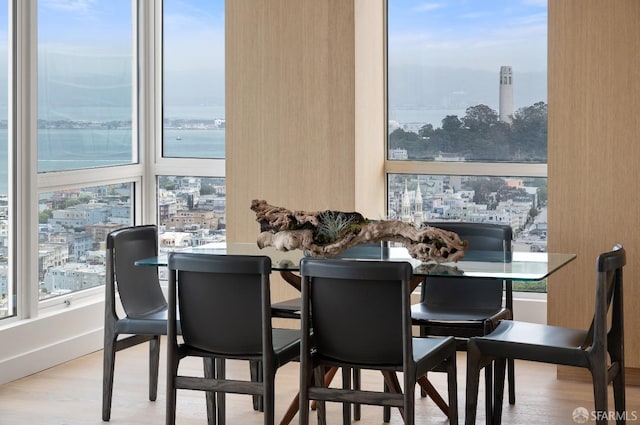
pixel 480 136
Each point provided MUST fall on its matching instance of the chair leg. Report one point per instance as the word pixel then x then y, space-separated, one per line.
pixel 500 365
pixel 209 372
pixel 221 373
pixel 512 380
pixel 409 407
pixel 172 371
pixel 306 380
pixel 616 355
pixel 619 397
pixel 154 364
pixel 268 401
pixel 357 384
pixel 474 359
pixel 255 368
pixel 109 359
pixel 599 376
pixel 423 333
pixel 386 410
pixel 321 405
pixel 488 385
pixel 346 384
pixel 452 384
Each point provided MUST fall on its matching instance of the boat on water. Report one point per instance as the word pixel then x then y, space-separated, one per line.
pixel 178 138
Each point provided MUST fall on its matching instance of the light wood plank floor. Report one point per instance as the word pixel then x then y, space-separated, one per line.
pixel 70 394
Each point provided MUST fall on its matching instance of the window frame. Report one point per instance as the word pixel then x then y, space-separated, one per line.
pixel 480 169
pixel 24 178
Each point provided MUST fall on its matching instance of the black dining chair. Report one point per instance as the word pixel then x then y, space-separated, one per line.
pixel 463 307
pixel 290 309
pixel 356 314
pixel 225 313
pixel 600 348
pixel 145 308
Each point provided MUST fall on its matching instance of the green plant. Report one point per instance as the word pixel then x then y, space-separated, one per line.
pixel 332 224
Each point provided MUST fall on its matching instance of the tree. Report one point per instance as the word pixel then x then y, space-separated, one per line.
pixel 400 139
pixel 480 118
pixel 529 133
pixel 207 189
pixel 400 135
pixel 44 216
pixel 426 131
pixel 451 123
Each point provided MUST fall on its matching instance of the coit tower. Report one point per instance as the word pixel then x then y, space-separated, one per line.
pixel 506 94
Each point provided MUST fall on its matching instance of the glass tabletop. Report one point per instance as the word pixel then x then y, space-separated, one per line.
pixel 522 266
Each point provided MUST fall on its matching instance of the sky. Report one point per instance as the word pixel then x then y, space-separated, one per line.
pixel 445 55
pixel 194 52
pixel 477 34
pixel 95 37
pixel 434 45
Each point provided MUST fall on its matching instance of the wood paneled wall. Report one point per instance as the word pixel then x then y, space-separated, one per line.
pixel 294 138
pixel 291 108
pixel 594 151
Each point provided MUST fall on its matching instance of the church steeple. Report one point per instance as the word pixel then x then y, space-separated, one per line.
pixel 406 204
pixel 418 215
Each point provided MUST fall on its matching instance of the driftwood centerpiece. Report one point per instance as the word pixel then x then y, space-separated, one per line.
pixel 328 233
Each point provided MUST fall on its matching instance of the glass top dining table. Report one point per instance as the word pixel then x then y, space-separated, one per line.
pixel 521 266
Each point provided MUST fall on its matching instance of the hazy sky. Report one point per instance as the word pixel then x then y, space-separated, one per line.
pixel 451 38
pixel 194 52
pixel 94 38
pixel 469 33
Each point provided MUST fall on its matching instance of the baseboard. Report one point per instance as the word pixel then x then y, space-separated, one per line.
pixel 33 345
pixel 632 374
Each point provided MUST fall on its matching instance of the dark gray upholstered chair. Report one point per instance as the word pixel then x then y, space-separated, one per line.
pixel 599 349
pixel 359 312
pixel 464 308
pixel 225 313
pixel 144 304
pixel 291 308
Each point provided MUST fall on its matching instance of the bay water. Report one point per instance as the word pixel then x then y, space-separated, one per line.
pixel 64 149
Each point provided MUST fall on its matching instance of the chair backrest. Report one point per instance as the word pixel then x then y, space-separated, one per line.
pixel 139 287
pixel 359 310
pixel 609 296
pixel 224 302
pixel 486 242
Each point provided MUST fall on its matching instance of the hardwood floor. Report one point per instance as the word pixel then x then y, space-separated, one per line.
pixel 70 394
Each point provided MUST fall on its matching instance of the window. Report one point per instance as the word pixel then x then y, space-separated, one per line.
pixel 82 131
pixel 193 79
pixel 467 114
pixel 191 211
pixel 85 121
pixel 74 224
pixel 191 207
pixel 85 85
